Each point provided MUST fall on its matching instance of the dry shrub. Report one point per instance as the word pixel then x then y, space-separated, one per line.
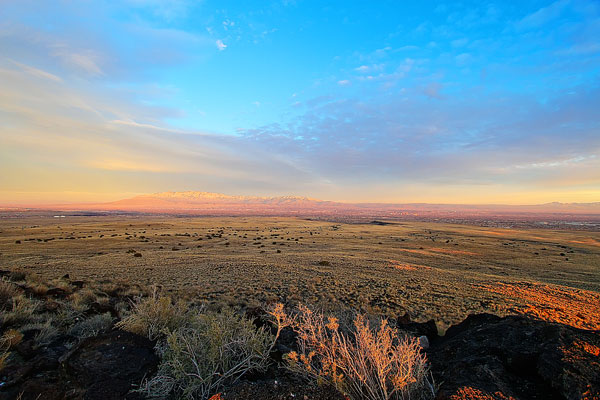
pixel 22 310
pixel 82 299
pixel 67 314
pixel 10 338
pixel 39 289
pixel 154 316
pixel 92 326
pixel 215 350
pixel 3 357
pixel 367 363
pixel 61 284
pixel 103 299
pixel 17 276
pixel 8 290
pixel 47 333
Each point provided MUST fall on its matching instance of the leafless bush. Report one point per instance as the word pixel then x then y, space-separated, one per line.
pixel 368 363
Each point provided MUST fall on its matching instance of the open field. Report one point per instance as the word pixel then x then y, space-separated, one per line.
pixel 429 270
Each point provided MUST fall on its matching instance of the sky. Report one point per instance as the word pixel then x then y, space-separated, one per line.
pixel 360 101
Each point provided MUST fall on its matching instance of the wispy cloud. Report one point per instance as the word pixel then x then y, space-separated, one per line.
pixel 37 72
pixel 137 96
pixel 168 10
pixel 51 125
pixel 88 62
pixel 411 140
pixel 220 45
pixel 543 15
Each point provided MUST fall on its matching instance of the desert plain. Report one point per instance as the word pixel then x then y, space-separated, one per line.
pixel 429 270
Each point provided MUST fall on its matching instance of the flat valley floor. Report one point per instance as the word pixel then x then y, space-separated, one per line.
pixel 432 271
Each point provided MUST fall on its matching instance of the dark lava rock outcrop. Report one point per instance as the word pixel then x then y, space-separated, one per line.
pixel 104 367
pixel 516 357
pixel 109 366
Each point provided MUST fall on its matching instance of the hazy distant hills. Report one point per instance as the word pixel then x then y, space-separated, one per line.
pixel 205 203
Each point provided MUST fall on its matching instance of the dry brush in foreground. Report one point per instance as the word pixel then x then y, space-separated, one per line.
pixel 364 363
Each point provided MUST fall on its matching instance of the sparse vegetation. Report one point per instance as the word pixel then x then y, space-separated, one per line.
pixel 67 314
pixel 201 346
pixel 4 354
pixel 361 273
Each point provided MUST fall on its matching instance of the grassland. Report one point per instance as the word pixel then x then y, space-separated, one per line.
pixel 430 270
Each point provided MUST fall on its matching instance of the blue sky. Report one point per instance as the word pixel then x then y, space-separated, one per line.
pixel 465 102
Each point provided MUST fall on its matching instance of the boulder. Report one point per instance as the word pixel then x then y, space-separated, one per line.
pixel 110 365
pixel 57 293
pixel 428 328
pixel 516 357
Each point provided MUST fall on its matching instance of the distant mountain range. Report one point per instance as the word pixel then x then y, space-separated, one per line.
pixel 205 203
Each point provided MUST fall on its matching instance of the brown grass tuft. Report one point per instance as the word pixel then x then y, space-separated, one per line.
pixel 8 290
pixel 22 310
pixel 3 357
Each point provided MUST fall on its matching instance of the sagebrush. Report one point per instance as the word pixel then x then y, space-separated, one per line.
pixel 213 351
pixel 155 316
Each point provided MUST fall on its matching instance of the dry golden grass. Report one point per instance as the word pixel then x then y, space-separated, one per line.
pixel 8 340
pixel 8 290
pixel 4 354
pixel 22 310
pixel 469 393
pixel 575 307
pixel 430 270
pixel 82 299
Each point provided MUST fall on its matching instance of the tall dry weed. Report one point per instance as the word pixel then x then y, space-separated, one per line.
pixel 367 363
